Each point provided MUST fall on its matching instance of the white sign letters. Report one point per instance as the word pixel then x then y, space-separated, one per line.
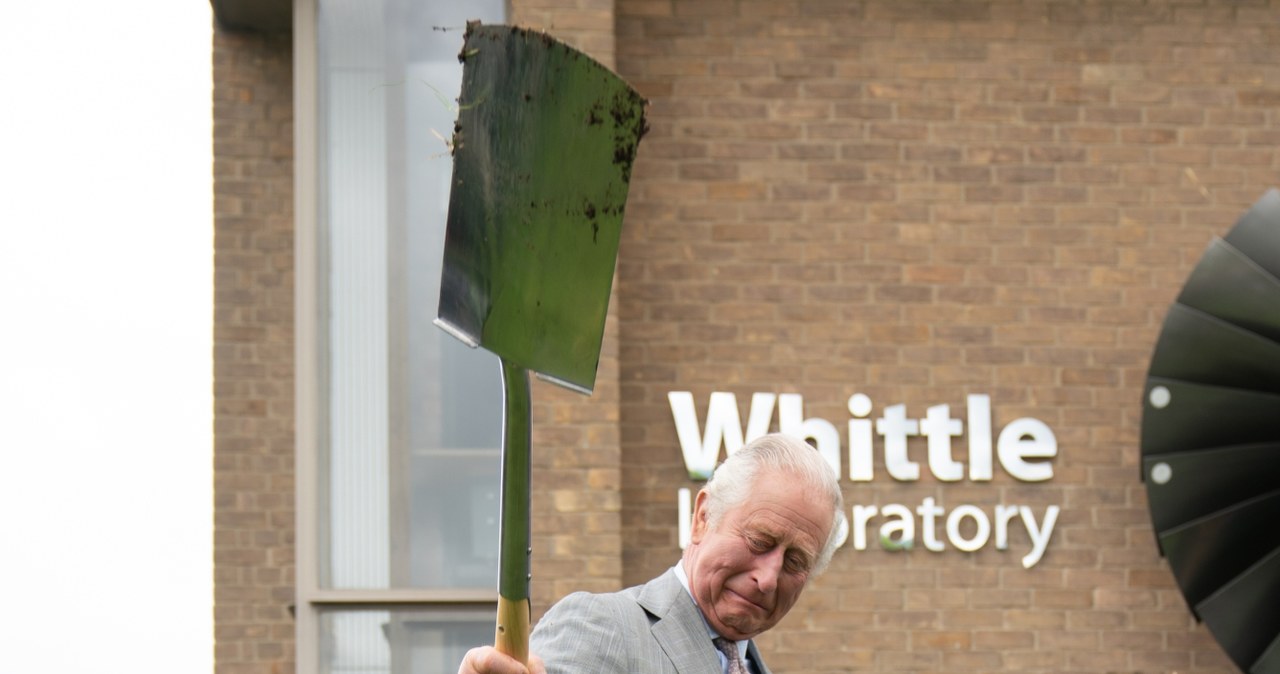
pixel 1023 449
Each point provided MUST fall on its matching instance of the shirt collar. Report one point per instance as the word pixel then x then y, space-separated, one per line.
pixel 711 633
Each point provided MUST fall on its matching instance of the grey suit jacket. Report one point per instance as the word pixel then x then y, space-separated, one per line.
pixel 653 628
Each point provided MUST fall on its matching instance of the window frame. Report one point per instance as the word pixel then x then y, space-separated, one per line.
pixel 311 381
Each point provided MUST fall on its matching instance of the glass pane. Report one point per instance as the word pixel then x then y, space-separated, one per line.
pixel 415 417
pixel 401 641
pixel 455 497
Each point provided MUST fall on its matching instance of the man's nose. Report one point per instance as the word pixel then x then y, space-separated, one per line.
pixel 768 566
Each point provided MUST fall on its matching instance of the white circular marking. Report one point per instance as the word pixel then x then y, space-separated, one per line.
pixel 1160 397
pixel 1161 473
pixel 859 404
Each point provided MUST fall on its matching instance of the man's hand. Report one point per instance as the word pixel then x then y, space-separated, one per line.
pixel 487 660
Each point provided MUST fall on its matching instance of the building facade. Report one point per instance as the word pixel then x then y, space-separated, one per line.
pixel 937 238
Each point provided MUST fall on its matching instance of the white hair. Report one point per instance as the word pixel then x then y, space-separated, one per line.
pixel 730 485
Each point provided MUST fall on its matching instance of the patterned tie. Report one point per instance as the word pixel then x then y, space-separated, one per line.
pixel 730 650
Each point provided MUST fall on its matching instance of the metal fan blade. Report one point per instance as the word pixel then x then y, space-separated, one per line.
pixel 1184 486
pixel 1229 285
pixel 1242 615
pixel 1180 416
pixel 1269 661
pixel 1197 347
pixel 1256 231
pixel 1207 553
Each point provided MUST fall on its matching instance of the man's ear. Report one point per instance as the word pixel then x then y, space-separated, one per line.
pixel 700 527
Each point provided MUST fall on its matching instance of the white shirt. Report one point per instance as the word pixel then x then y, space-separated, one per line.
pixel 711 633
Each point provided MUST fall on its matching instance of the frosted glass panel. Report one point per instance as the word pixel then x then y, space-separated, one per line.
pixel 409 476
pixel 395 642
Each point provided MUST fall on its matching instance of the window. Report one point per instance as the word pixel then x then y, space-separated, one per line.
pixel 399 425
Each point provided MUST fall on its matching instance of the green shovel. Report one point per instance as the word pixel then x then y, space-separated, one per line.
pixel 542 155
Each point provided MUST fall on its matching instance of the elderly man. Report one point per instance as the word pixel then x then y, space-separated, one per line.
pixel 763 525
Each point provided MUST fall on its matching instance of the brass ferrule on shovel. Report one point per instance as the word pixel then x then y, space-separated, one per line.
pixel 542 156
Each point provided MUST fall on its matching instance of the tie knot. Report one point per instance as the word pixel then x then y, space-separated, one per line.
pixel 730 650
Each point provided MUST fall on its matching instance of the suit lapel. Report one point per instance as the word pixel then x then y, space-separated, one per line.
pixel 679 628
pixel 758 662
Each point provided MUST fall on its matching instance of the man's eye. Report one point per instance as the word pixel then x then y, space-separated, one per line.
pixel 796 564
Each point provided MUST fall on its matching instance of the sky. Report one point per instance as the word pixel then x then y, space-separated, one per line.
pixel 106 300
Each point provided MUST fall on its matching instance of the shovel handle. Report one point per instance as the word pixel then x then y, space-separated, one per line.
pixel 511 635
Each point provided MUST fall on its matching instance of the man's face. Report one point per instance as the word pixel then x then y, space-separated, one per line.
pixel 748 572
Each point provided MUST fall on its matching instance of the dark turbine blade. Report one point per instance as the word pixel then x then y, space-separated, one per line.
pixel 1197 347
pixel 1210 552
pixel 1269 662
pixel 1184 486
pixel 1257 233
pixel 1243 616
pixel 1230 286
pixel 1179 416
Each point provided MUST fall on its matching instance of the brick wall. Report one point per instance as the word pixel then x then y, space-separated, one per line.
pixel 920 201
pixel 587 25
pixel 253 353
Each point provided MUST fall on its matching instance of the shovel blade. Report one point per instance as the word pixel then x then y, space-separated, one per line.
pixel 543 149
